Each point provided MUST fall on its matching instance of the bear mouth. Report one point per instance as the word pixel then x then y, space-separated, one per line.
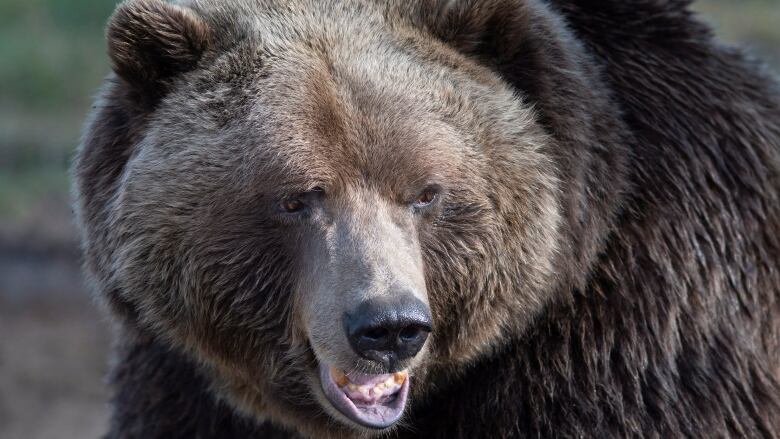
pixel 373 401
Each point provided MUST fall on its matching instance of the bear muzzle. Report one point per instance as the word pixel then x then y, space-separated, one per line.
pixel 388 331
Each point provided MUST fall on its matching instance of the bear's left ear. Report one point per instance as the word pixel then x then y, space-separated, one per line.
pixel 490 29
pixel 151 41
pixel 523 40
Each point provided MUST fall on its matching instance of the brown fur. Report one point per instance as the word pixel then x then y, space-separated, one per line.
pixel 602 261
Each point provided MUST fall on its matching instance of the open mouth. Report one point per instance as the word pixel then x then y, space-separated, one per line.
pixel 373 401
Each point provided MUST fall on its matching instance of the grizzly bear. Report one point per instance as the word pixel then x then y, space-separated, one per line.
pixel 434 219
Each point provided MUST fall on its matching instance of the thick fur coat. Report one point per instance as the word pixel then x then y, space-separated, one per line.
pixel 605 264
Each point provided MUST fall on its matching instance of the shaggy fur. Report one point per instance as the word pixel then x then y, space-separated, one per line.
pixel 603 261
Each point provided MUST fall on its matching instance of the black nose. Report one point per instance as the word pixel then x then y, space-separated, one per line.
pixel 388 330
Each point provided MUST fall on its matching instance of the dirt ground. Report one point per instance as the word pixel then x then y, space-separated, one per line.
pixel 53 344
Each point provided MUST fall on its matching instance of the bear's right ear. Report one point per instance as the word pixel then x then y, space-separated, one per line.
pixel 151 41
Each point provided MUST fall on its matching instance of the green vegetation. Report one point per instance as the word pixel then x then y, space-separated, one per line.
pixel 53 51
pixel 53 58
pixel 753 23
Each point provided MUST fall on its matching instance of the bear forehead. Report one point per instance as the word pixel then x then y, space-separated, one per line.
pixel 318 123
pixel 291 19
pixel 308 103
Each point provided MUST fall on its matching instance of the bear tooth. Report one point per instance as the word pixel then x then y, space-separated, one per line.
pixel 338 377
pixel 389 382
pixel 399 377
pixel 352 387
pixel 376 391
pixel 380 386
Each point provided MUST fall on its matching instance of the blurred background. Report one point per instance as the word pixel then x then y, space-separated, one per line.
pixel 53 342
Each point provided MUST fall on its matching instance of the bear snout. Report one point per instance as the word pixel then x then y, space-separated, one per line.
pixel 388 330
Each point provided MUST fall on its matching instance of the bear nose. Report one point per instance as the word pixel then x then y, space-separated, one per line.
pixel 387 331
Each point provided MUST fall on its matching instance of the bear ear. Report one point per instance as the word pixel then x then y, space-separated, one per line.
pixel 523 40
pixel 151 41
pixel 490 29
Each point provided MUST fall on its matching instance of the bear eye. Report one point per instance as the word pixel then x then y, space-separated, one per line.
pixel 297 203
pixel 426 198
pixel 292 205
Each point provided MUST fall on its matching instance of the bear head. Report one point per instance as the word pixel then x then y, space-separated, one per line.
pixel 330 205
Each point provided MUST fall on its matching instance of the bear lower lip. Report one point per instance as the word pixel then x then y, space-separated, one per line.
pixel 373 401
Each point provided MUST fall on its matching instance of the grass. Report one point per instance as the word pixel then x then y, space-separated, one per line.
pixel 53 59
pixel 754 23
pixel 53 52
pixel 19 187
